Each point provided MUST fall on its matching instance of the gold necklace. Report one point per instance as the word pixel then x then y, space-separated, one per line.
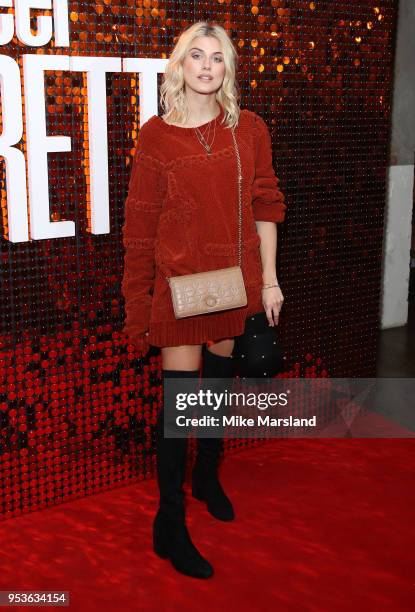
pixel 205 135
pixel 203 140
pixel 201 137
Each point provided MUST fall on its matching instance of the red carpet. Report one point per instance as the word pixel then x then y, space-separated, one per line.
pixel 322 525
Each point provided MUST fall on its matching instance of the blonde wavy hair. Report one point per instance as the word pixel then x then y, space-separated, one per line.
pixel 172 91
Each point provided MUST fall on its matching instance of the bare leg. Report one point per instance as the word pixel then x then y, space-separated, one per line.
pixel 185 357
pixel 223 347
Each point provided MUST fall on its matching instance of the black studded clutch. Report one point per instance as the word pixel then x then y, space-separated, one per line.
pixel 257 352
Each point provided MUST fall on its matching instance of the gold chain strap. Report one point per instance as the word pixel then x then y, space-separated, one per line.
pixel 238 159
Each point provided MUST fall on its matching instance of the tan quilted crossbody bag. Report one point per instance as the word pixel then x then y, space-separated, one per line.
pixel 214 290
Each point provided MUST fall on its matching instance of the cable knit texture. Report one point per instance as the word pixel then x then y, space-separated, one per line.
pixel 181 217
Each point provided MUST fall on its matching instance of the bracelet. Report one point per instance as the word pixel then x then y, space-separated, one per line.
pixel 269 286
pixel 270 283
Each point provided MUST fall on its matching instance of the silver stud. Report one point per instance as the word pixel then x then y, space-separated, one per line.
pixel 263 356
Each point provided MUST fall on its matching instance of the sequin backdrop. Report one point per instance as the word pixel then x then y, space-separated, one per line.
pixel 77 406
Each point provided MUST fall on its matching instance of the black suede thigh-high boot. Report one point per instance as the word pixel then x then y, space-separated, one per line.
pixel 205 481
pixel 171 539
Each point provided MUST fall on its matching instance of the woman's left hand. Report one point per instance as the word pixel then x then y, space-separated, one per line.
pixel 272 299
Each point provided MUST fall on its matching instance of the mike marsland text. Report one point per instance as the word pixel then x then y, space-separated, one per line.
pixel 241 421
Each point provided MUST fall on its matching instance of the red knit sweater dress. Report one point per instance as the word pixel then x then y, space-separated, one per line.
pixel 181 217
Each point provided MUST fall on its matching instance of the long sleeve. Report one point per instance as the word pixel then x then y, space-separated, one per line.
pixel 267 199
pixel 142 210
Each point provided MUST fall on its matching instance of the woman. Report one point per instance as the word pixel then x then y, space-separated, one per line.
pixel 181 217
